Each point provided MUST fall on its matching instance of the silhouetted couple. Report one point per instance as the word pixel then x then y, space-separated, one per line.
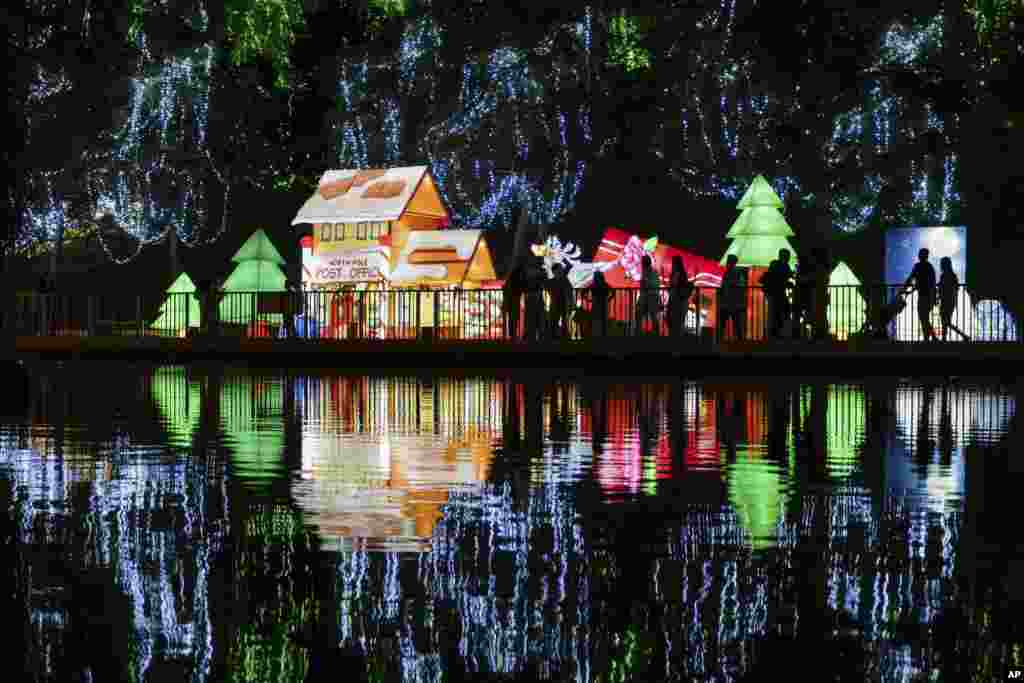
pixel 946 292
pixel 649 303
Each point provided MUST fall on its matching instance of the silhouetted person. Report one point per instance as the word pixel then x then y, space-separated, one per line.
pixel 599 416
pixel 949 292
pixel 600 297
pixel 776 284
pixel 649 300
pixel 803 296
pixel 679 293
pixel 732 299
pixel 730 420
pixel 533 415
pixel 512 418
pixel 559 432
pixel 534 307
pixel 512 296
pixel 923 277
pixel 947 440
pixel 925 446
pixel 562 302
pixel 677 422
pixel 778 414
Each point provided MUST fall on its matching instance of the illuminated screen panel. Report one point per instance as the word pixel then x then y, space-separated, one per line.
pixel 902 245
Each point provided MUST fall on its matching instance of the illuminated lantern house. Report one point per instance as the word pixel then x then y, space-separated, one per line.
pixel 386 229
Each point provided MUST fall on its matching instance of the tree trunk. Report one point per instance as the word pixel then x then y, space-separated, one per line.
pixel 172 250
pixel 524 231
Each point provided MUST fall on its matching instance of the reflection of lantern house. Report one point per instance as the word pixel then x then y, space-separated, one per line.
pixel 386 486
pixel 386 227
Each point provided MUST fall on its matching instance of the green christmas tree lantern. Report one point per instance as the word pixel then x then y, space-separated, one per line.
pixel 757 235
pixel 258 272
pixel 846 306
pixel 760 230
pixel 180 309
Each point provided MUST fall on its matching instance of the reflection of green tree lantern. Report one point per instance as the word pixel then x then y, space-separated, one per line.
pixel 179 402
pixel 254 424
pixel 755 491
pixel 845 421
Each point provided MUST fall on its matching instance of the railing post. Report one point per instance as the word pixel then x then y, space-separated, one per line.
pixel 419 326
pixel 437 314
pixel 138 315
pixel 45 328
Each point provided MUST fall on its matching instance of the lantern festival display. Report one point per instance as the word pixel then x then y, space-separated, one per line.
pixel 757 235
pixel 619 256
pixel 250 288
pixel 847 309
pixel 377 229
pixel 901 248
pixel 180 310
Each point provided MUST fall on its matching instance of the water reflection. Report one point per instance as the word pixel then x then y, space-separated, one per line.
pixel 579 531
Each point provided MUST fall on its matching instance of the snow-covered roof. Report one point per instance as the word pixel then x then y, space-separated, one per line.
pixel 431 262
pixel 356 196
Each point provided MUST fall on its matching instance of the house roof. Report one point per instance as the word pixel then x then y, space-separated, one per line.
pixel 353 196
pixel 464 244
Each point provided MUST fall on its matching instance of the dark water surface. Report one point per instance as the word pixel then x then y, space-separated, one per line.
pixel 224 525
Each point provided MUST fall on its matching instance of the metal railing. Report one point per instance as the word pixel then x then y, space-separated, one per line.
pixel 845 312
